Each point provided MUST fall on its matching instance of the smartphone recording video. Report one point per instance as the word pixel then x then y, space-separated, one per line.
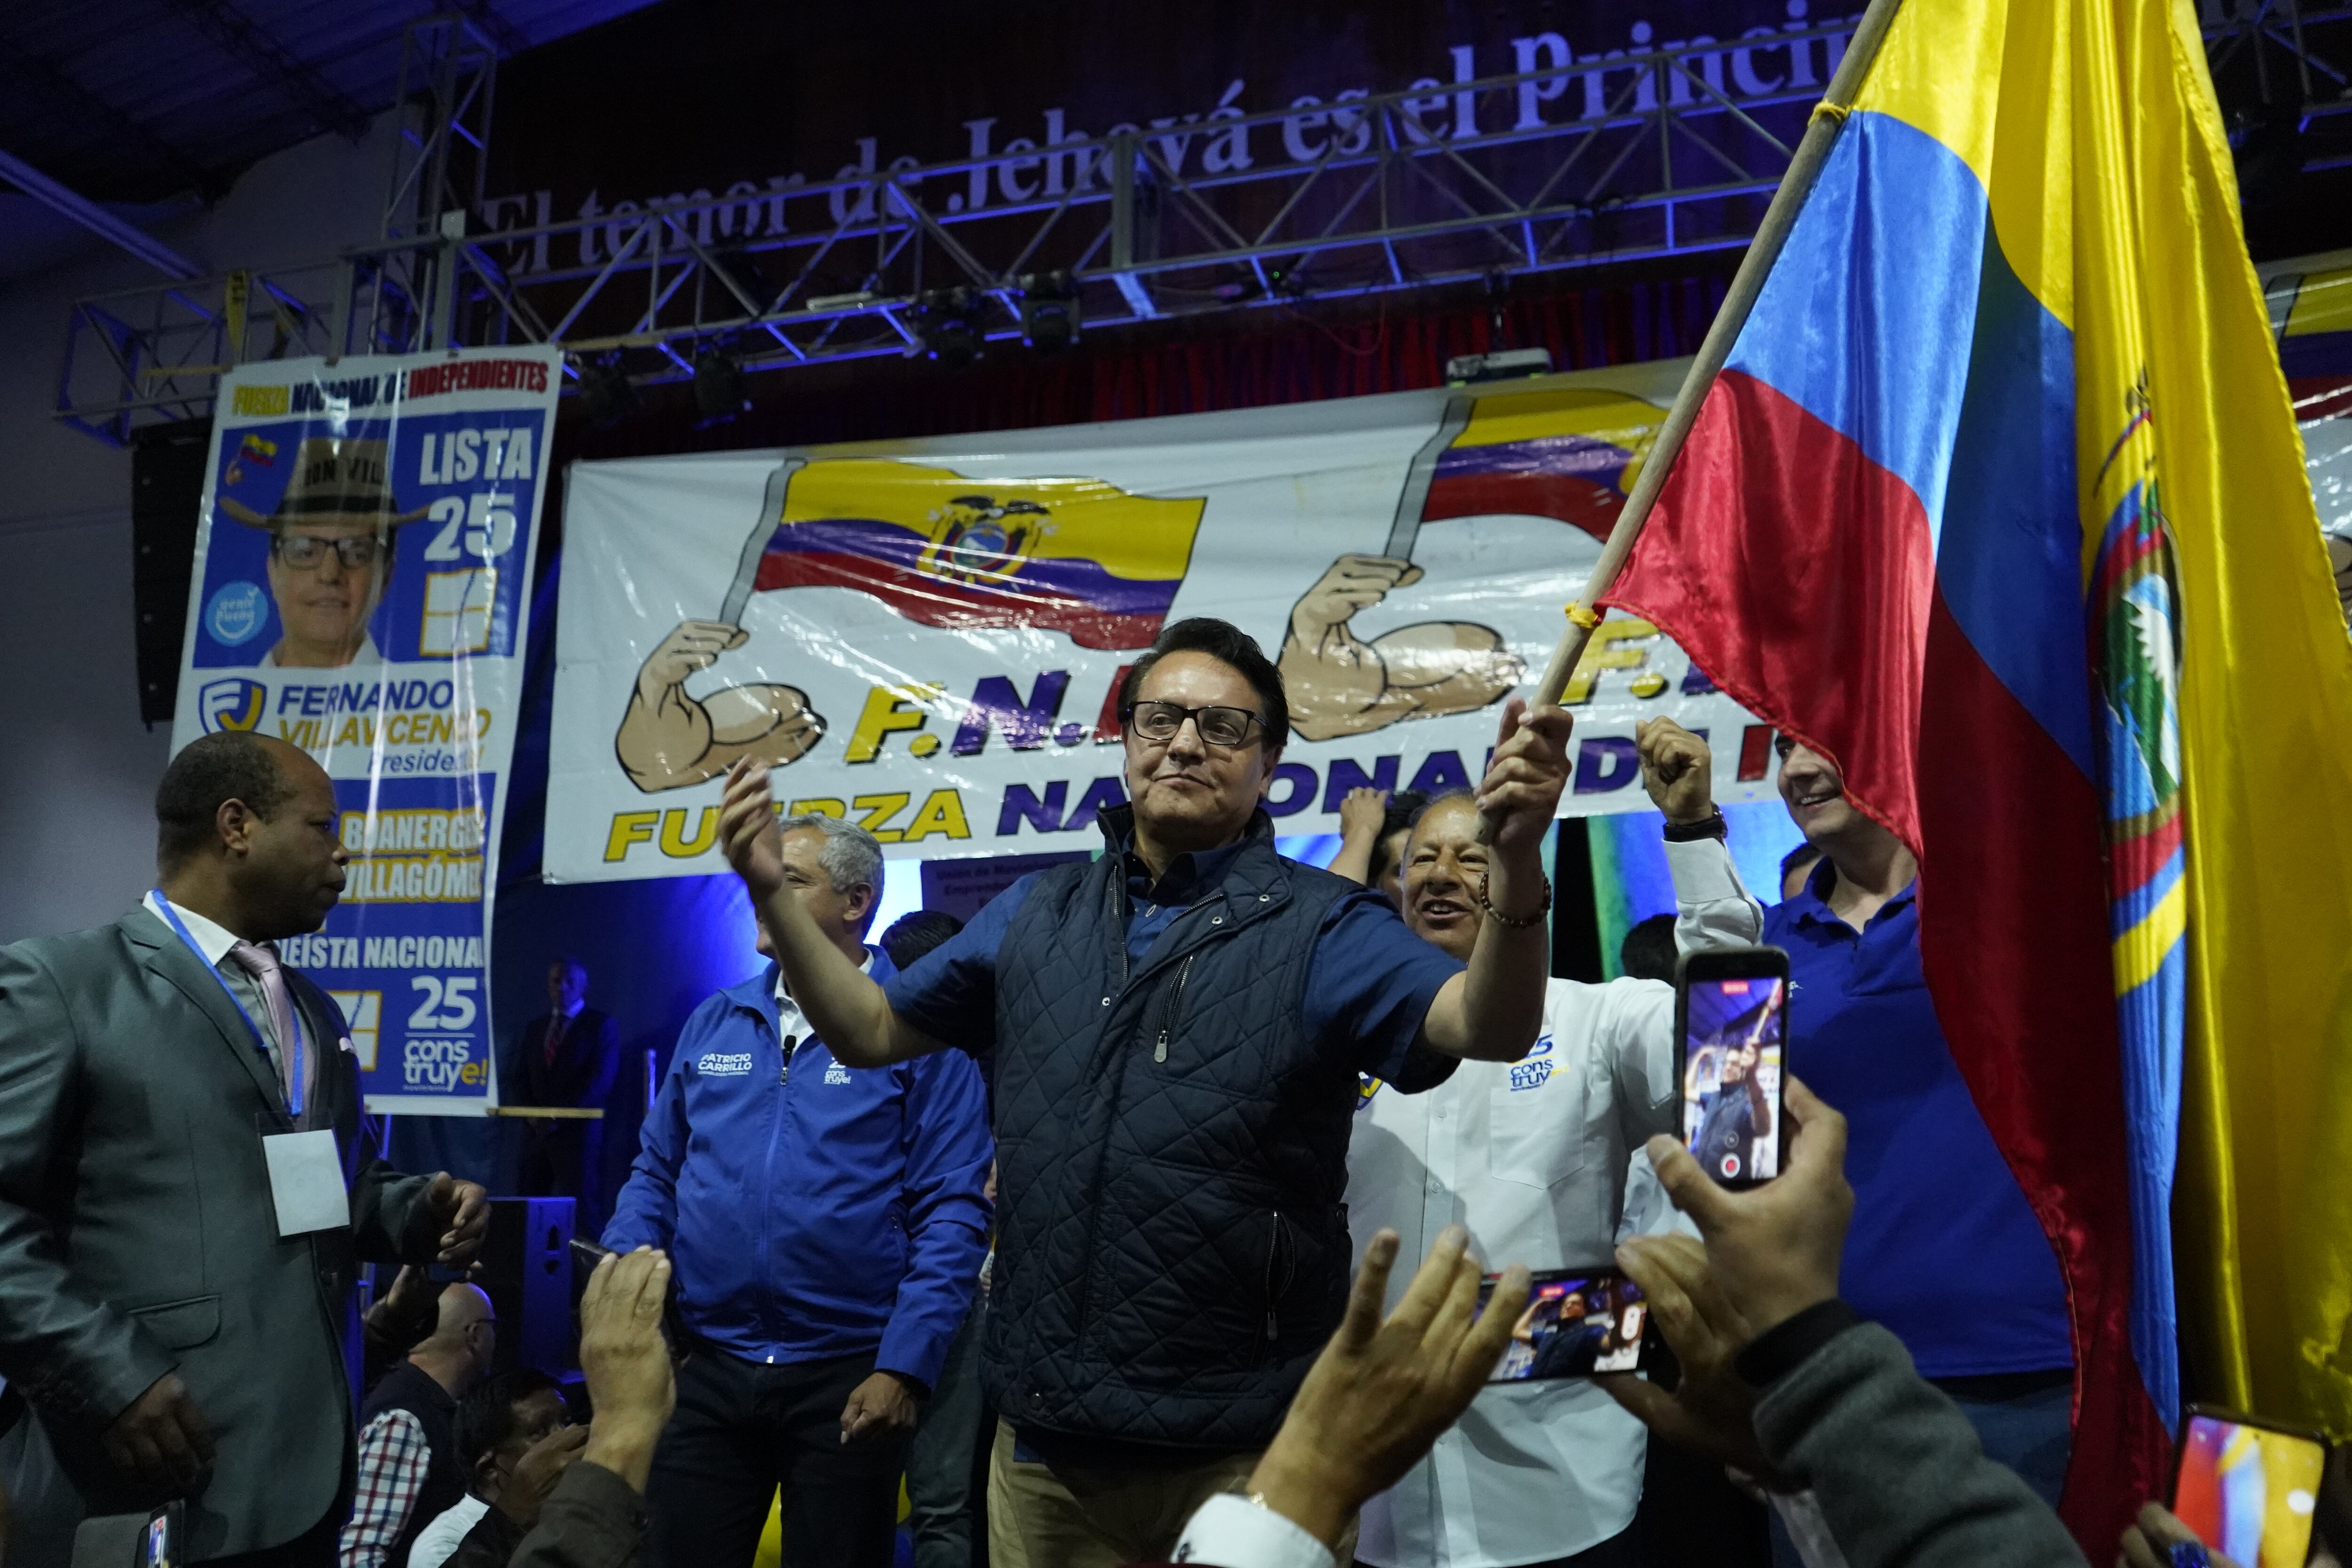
pixel 159 1543
pixel 1577 1322
pixel 1733 1011
pixel 2248 1489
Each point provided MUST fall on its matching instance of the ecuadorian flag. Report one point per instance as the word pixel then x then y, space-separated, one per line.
pixel 1999 502
pixel 1075 556
pixel 1571 455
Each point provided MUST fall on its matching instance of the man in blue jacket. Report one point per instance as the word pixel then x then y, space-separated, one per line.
pixel 827 1225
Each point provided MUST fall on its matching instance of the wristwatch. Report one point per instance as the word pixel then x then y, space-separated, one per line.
pixel 1711 825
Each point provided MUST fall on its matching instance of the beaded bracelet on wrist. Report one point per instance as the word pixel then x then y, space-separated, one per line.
pixel 1523 923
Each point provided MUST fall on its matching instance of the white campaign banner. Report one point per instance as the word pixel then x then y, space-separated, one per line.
pixel 361 590
pixel 927 636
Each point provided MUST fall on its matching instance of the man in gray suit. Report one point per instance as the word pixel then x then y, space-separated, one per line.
pixel 173 1317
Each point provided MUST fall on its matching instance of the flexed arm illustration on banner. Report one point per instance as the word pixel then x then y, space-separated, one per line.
pixel 1567 455
pixel 928 637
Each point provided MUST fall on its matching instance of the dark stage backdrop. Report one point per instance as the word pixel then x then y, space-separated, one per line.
pixel 748 100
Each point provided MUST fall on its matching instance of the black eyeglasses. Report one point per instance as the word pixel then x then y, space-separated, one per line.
pixel 304 551
pixel 1216 726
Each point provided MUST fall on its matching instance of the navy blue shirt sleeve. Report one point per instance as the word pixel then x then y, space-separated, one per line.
pixel 950 993
pixel 1369 987
pixel 947 1216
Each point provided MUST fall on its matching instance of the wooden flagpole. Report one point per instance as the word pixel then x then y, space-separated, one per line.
pixel 1796 185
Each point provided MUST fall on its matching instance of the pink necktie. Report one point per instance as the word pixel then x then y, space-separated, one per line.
pixel 263 964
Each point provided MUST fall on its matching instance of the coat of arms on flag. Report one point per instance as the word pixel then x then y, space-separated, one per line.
pixel 1077 556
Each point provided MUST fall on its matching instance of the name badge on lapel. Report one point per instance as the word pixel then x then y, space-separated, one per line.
pixel 306 1182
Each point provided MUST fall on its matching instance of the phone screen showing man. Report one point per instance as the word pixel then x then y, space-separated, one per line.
pixel 2247 1491
pixel 1577 1322
pixel 1731 1075
pixel 156 1549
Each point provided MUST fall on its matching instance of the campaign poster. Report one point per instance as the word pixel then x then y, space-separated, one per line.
pixel 927 636
pixel 362 581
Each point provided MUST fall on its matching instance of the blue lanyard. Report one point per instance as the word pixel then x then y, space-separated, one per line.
pixel 293 1048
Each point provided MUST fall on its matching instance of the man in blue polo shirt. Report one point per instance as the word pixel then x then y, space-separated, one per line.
pixel 827 1226
pixel 1944 1249
pixel 1178 1028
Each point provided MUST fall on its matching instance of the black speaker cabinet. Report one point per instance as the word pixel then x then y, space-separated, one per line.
pixel 527 1269
pixel 167 496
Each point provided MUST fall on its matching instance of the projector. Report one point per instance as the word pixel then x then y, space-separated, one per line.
pixel 1508 365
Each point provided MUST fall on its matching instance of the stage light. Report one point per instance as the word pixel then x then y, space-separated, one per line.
pixel 718 387
pixel 1050 317
pixel 606 396
pixel 948 326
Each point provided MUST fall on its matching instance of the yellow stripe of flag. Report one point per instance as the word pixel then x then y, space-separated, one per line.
pixel 2263 1220
pixel 1930 74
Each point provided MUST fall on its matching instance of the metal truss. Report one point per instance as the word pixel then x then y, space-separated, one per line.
pixel 1671 151
pixel 440 160
pixel 158 353
pixel 448 78
pixel 2298 58
pixel 1639 156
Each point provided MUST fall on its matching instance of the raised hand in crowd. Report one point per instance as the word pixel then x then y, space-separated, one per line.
pixel 1528 770
pixel 1896 1471
pixel 1364 815
pixel 161 1440
pixel 1675 769
pixel 1383 1389
pixel 593 1515
pixel 1712 1410
pixel 414 1299
pixel 398 1319
pixel 842 1003
pixel 1772 1250
pixel 462 1211
pixel 626 1362
pixel 747 831
pixel 524 1490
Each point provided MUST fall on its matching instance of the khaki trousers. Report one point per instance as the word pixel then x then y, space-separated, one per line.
pixel 1077 1517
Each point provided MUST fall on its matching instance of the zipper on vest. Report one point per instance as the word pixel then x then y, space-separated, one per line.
pixel 1175 1006
pixel 1276 1284
pixel 1115 909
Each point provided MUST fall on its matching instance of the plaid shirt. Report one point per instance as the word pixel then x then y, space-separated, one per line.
pixel 394 1457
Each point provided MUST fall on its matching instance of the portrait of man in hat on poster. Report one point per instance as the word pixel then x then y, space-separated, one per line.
pixel 331 549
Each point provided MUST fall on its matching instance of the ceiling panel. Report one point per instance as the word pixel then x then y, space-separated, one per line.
pixel 138 100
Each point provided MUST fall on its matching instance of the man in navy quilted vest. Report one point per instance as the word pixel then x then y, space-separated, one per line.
pixel 1178 1028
